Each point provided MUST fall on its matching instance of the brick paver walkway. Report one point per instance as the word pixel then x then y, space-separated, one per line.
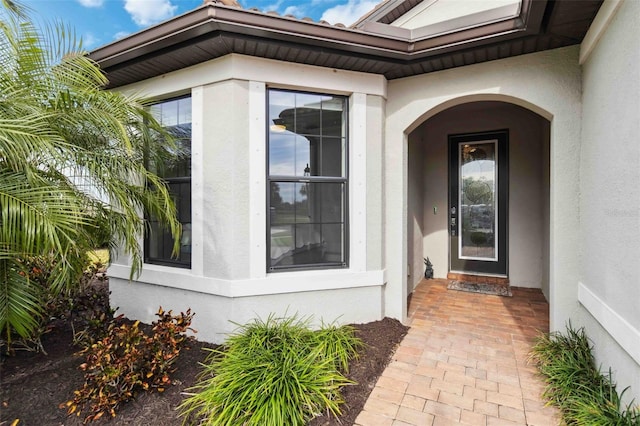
pixel 464 361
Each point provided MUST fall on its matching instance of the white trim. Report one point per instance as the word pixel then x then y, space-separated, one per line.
pixel 257 180
pixel 358 182
pixel 598 28
pixel 620 329
pixel 197 181
pixel 289 282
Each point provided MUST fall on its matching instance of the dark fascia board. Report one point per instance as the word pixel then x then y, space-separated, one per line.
pixel 378 40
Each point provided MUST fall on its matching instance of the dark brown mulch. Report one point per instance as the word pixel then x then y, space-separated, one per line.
pixel 32 385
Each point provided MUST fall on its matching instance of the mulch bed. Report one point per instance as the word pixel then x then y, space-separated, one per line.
pixel 33 385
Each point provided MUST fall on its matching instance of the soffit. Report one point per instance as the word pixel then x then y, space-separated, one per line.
pixel 215 30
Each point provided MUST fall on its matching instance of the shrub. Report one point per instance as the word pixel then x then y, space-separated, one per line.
pixel 339 344
pixel 126 361
pixel 576 385
pixel 91 317
pixel 274 372
pixel 52 303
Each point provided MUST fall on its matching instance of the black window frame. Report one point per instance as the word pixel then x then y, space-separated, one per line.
pixel 309 179
pixel 170 261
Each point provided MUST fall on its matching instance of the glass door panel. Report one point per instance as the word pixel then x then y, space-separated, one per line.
pixel 476 198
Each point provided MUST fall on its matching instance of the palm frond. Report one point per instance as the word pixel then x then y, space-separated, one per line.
pixel 60 133
pixel 19 307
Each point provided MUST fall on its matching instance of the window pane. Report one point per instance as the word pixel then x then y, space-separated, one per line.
pixel 174 165
pixel 299 244
pixel 307 223
pixel 184 111
pixel 330 202
pixel 333 117
pixel 289 202
pixel 297 146
pixel 181 192
pixel 282 202
pixel 169 115
pixel 332 159
pixel 302 206
pixel 332 237
pixel 176 162
pixel 307 117
pixel 303 156
pixel 154 233
pixel 282 154
pixel 282 237
pixel 281 110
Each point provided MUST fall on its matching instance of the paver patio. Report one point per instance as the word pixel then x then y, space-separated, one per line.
pixel 464 361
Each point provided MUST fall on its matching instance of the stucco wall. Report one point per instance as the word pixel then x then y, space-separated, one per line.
pixel 610 196
pixel 547 83
pixel 416 211
pixel 216 314
pixel 375 183
pixel 528 231
pixel 228 280
pixel 225 180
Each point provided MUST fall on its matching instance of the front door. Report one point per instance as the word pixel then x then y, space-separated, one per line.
pixel 478 204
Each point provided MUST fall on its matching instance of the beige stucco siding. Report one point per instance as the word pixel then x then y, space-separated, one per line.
pixel 225 180
pixel 610 196
pixel 375 189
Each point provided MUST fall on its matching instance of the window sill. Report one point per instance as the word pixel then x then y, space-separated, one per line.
pixel 272 283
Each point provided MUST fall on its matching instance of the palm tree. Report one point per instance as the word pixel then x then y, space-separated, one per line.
pixel 71 161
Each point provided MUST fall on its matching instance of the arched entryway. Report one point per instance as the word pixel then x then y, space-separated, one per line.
pixel 500 235
pixel 547 85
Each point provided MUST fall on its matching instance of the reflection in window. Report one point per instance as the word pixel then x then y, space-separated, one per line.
pixel 174 166
pixel 478 178
pixel 307 180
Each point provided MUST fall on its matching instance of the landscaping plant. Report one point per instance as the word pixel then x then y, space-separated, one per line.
pixel 272 373
pixel 338 343
pixel 39 272
pixel 72 169
pixel 127 361
pixel 575 385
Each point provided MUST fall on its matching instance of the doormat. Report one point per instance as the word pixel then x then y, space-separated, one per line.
pixel 482 288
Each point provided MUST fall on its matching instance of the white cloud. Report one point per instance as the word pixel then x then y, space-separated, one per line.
pixel 273 7
pixel 89 41
pixel 91 3
pixel 296 11
pixel 147 12
pixel 121 34
pixel 348 13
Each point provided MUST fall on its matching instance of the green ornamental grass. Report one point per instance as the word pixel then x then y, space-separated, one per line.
pixel 576 386
pixel 274 372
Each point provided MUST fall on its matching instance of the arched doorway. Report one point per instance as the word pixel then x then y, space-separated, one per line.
pixel 500 233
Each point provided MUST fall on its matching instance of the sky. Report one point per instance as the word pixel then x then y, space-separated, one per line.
pixel 100 22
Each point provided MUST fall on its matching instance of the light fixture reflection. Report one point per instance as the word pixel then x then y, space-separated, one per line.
pixel 278 128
